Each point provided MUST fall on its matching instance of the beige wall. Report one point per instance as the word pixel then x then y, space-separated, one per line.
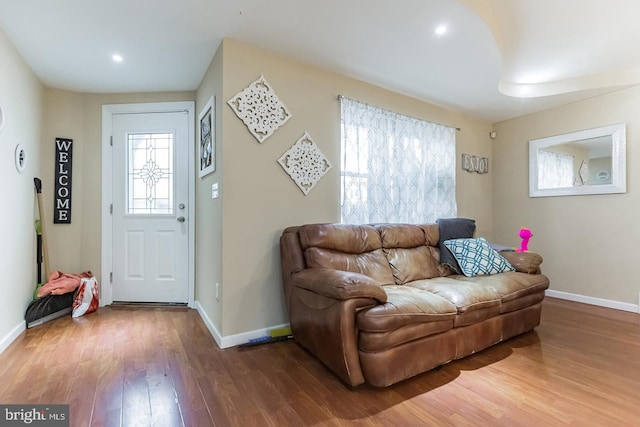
pixel 259 199
pixel 21 99
pixel 63 117
pixel 209 220
pixel 588 242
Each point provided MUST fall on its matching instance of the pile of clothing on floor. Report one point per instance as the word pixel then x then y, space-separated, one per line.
pixel 63 293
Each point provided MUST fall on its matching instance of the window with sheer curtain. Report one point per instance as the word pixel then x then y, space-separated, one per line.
pixel 395 168
pixel 555 170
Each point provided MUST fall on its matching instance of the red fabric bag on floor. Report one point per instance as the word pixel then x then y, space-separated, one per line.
pixel 86 298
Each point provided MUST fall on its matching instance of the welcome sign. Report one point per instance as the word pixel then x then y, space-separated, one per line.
pixel 62 199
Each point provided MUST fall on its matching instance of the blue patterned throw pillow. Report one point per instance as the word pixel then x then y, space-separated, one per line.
pixel 476 257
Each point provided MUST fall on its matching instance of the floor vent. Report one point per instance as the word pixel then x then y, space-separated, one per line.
pixel 132 304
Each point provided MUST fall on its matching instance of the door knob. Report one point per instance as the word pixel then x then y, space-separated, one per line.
pixel 180 219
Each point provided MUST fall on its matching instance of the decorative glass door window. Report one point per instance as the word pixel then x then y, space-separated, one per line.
pixel 150 174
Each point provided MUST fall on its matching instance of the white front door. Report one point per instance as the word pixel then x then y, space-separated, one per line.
pixel 150 191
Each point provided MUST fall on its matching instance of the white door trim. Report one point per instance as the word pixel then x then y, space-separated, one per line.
pixel 106 294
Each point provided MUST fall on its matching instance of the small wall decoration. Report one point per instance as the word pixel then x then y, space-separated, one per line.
pixel 2 120
pixel 305 163
pixel 207 138
pixel 62 199
pixel 260 109
pixel 21 158
pixel 475 163
pixel 583 173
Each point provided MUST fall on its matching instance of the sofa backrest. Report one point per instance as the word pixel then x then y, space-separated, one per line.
pixel 411 250
pixel 347 247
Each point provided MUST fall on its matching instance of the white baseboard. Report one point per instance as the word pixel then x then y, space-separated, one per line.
pixel 594 301
pixel 11 336
pixel 209 324
pixel 233 340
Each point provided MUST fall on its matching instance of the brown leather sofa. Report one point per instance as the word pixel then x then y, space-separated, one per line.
pixel 375 305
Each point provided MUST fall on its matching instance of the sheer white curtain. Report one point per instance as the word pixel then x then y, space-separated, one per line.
pixel 395 168
pixel 555 170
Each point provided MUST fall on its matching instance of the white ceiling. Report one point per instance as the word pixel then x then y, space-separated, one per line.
pixel 499 59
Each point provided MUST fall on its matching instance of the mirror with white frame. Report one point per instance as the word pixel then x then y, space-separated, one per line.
pixel 591 161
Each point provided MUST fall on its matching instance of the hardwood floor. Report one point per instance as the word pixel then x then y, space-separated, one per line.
pixel 153 366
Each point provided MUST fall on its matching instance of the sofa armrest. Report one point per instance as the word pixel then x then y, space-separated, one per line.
pixel 524 262
pixel 324 304
pixel 338 284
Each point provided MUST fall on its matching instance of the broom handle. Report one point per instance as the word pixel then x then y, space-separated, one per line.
pixel 45 251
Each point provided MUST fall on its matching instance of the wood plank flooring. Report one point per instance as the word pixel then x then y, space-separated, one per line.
pixel 161 367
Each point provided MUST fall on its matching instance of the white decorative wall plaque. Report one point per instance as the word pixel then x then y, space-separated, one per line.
pixel 260 109
pixel 305 163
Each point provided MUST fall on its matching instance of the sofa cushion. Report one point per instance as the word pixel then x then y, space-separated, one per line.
pixel 431 234
pixel 401 235
pixel 413 264
pixel 373 264
pixel 408 255
pixel 476 257
pixel 405 306
pixel 348 238
pixel 453 228
pixel 464 295
pixel 516 289
pixel 347 247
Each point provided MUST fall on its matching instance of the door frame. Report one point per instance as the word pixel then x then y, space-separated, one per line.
pixel 108 111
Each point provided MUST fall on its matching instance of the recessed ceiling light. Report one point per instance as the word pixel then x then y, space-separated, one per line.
pixel 116 57
pixel 440 30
